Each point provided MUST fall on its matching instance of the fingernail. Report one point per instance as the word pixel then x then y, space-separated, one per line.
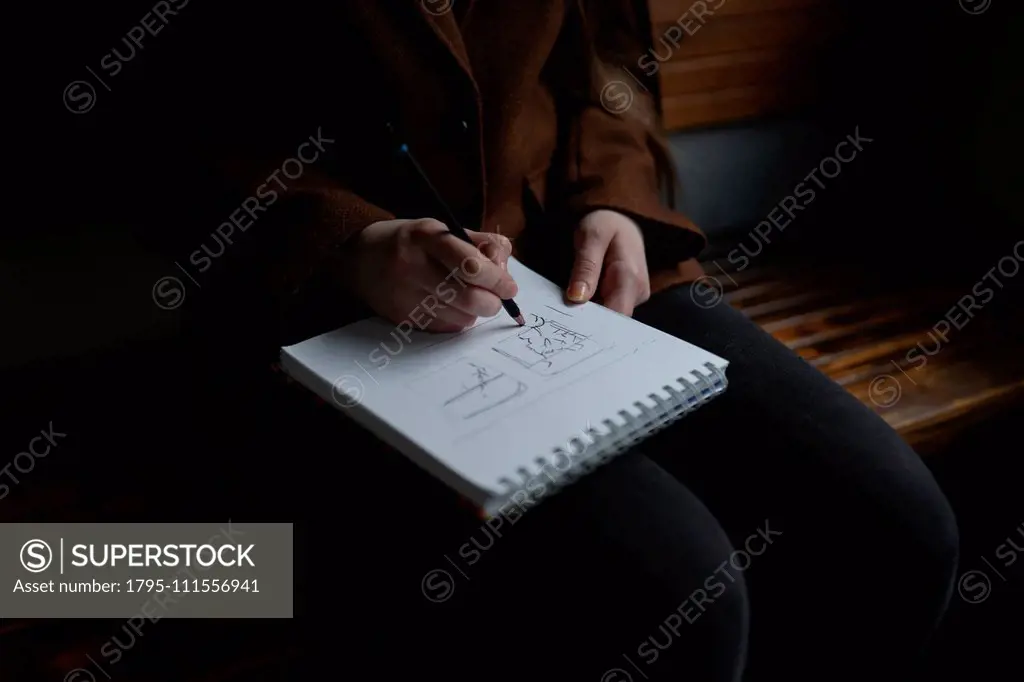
pixel 578 292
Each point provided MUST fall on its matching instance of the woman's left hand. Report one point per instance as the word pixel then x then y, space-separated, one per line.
pixel 610 261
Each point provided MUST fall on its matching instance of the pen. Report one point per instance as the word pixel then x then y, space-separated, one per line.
pixel 456 229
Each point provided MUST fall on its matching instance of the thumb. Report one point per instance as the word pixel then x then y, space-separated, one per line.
pixel 591 245
pixel 495 247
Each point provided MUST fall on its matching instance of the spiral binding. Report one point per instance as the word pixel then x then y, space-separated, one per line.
pixel 581 458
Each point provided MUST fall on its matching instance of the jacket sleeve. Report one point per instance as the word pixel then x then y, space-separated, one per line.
pixel 611 147
pixel 335 214
pixel 308 219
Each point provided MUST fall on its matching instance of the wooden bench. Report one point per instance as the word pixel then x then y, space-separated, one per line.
pixel 893 346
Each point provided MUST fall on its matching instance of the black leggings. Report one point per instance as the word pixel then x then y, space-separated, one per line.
pixel 783 531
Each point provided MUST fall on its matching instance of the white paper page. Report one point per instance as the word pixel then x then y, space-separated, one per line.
pixel 493 398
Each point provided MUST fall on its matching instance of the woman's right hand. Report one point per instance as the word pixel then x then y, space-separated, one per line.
pixel 416 271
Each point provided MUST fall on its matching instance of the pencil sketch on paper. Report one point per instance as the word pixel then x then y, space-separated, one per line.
pixel 547 347
pixel 469 388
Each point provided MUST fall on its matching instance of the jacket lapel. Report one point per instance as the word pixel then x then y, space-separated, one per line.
pixel 440 16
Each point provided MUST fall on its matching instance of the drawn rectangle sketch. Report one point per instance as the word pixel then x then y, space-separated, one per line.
pixel 469 388
pixel 547 347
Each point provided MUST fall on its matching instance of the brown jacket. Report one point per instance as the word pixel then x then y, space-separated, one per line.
pixel 497 100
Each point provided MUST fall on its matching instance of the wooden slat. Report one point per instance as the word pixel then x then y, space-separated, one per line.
pixel 745 32
pixel 764 308
pixel 832 317
pixel 667 11
pixel 941 393
pixel 861 352
pixel 734 69
pixel 743 59
pixel 929 435
pixel 860 336
pixel 731 104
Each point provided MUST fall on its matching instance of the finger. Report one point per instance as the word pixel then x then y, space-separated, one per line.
pixel 474 300
pixel 620 287
pixel 417 308
pixel 495 247
pixel 459 293
pixel 473 268
pixel 439 326
pixel 445 290
pixel 445 318
pixel 591 244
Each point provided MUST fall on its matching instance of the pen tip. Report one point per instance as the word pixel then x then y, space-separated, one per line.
pixel 520 320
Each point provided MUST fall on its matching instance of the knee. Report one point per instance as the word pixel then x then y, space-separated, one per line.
pixel 926 523
pixel 720 605
pixel 919 530
pixel 933 536
pixel 708 626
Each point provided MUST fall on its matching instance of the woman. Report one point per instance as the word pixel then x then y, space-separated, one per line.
pixel 761 536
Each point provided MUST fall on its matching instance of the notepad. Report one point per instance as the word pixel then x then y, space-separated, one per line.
pixel 506 414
